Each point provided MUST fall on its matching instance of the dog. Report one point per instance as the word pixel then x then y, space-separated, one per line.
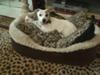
pixel 39 17
pixel 42 19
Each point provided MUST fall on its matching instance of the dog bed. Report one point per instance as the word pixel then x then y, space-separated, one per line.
pixel 80 44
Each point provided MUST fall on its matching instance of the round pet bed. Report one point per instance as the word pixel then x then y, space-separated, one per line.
pixel 80 52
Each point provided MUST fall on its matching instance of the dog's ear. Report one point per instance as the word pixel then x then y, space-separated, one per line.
pixel 50 10
pixel 28 19
pixel 33 15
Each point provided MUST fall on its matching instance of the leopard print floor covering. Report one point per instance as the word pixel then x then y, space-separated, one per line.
pixel 5 21
pixel 12 63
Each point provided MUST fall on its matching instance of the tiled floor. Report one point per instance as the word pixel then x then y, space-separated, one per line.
pixel 14 3
pixel 9 11
pixel 11 7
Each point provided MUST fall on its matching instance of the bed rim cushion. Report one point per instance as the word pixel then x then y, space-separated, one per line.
pixel 23 39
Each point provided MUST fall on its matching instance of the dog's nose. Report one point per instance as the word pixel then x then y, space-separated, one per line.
pixel 44 20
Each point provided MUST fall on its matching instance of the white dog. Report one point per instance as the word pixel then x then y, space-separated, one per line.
pixel 41 18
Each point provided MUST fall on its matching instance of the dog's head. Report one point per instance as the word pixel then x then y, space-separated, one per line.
pixel 42 16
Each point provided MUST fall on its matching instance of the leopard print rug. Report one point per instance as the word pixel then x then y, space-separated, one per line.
pixel 12 63
pixel 5 21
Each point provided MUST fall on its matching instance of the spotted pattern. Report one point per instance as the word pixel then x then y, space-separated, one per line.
pixel 54 39
pixel 12 63
pixel 44 39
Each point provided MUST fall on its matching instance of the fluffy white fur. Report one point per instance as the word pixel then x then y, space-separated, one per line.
pixel 25 40
pixel 37 18
pixel 63 26
pixel 43 14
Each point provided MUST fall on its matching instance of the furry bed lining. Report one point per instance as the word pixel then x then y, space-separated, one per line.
pixel 23 39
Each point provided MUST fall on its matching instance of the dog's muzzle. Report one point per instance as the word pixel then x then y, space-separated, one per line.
pixel 46 21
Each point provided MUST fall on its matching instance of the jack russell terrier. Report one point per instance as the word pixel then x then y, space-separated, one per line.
pixel 41 18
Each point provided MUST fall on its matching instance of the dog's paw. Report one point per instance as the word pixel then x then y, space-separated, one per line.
pixel 43 29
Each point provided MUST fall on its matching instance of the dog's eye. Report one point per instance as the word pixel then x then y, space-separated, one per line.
pixel 46 15
pixel 40 15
